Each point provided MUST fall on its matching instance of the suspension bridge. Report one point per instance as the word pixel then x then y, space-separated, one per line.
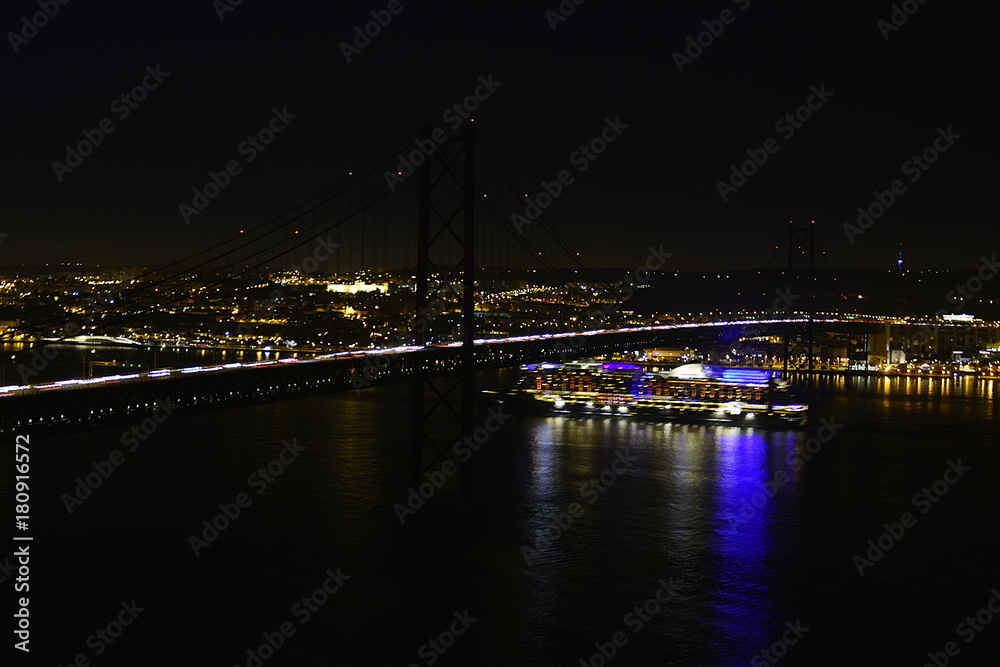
pixel 442 209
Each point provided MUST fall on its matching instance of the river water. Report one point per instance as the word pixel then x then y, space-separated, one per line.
pixel 749 545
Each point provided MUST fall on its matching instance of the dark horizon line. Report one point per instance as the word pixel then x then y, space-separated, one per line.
pixel 175 268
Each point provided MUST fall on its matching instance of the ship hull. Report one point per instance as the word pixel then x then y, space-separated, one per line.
pixel 695 393
pixel 748 416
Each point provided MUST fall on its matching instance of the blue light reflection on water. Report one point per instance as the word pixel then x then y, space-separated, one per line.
pixel 667 517
pixel 691 483
pixel 743 517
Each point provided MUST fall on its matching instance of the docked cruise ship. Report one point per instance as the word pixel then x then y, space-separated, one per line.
pixel 692 392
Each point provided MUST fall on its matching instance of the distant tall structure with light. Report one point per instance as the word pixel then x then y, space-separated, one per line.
pixel 899 259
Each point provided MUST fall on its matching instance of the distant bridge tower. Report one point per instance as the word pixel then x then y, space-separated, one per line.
pixel 445 293
pixel 798 341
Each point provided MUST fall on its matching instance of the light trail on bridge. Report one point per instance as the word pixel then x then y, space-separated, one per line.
pixel 161 374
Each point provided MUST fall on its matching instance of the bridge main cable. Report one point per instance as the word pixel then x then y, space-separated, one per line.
pixel 189 273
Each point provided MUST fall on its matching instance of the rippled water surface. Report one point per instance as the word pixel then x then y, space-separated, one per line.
pixel 577 524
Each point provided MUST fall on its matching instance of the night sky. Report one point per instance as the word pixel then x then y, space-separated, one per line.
pixel 657 184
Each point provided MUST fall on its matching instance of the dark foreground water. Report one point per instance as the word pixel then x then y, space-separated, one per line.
pixel 677 508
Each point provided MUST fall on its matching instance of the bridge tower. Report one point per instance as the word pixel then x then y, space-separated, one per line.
pixel 445 293
pixel 798 340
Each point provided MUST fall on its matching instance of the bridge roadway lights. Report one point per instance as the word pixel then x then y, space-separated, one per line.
pixel 78 407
